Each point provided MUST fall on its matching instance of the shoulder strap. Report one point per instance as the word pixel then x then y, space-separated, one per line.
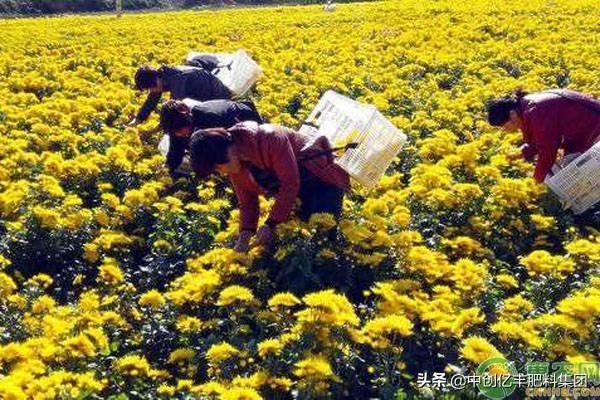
pixel 347 147
pixel 219 67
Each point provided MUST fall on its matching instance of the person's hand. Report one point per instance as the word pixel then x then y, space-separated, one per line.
pixel 155 130
pixel 528 152
pixel 513 156
pixel 243 243
pixel 146 135
pixel 263 236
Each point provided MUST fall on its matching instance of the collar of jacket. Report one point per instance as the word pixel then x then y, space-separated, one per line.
pixel 522 104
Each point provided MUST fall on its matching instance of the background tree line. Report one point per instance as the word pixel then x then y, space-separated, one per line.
pixel 42 7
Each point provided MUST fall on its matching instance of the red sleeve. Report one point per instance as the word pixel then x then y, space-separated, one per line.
pixel 248 201
pixel 546 159
pixel 282 160
pixel 546 139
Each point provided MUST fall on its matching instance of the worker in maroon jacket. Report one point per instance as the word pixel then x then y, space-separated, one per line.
pixel 550 120
pixel 271 160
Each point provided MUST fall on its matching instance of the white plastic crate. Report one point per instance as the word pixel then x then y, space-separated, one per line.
pixel 342 121
pixel 239 72
pixel 578 184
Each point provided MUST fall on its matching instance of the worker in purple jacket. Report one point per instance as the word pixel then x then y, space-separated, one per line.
pixel 550 120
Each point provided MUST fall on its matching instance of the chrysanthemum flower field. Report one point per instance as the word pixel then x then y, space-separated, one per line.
pixel 117 283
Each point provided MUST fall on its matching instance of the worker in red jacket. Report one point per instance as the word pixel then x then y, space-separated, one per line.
pixel 550 120
pixel 271 160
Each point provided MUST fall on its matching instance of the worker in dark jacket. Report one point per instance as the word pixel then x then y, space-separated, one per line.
pixel 550 120
pixel 271 160
pixel 182 82
pixel 179 118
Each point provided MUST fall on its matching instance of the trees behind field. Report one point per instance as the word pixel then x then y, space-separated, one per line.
pixel 42 7
pixel 70 6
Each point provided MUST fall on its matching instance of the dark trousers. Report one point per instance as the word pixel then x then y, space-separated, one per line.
pixel 317 196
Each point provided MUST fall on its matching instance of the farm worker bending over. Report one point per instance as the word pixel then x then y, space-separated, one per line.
pixel 182 82
pixel 550 120
pixel 271 160
pixel 180 118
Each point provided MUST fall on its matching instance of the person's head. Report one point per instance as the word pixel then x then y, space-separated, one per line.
pixel 176 118
pixel 213 150
pixel 148 78
pixel 503 112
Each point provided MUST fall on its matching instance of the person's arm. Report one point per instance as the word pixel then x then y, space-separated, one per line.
pixel 545 161
pixel 148 106
pixel 248 202
pixel 278 149
pixel 546 138
pixel 175 155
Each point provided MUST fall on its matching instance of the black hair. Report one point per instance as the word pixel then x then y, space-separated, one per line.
pixel 175 115
pixel 208 148
pixel 146 77
pixel 499 109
